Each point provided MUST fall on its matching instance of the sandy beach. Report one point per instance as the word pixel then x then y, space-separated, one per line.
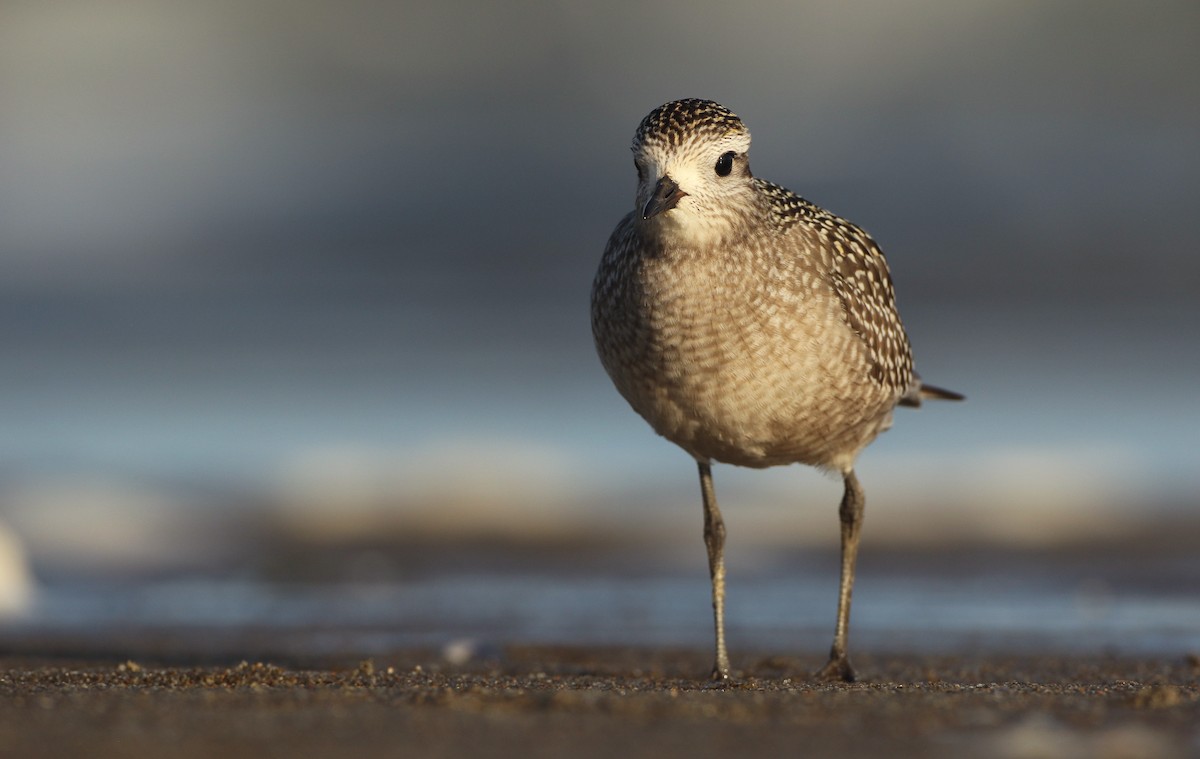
pixel 584 702
pixel 1098 660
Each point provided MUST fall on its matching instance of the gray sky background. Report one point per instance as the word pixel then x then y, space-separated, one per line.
pixel 309 247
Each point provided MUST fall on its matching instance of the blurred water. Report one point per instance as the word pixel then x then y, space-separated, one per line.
pixel 778 611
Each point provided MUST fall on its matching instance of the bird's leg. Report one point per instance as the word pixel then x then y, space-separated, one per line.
pixel 714 541
pixel 851 514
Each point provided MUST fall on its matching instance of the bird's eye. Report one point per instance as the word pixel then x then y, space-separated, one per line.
pixel 725 164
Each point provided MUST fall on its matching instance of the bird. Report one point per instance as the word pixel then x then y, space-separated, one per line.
pixel 749 326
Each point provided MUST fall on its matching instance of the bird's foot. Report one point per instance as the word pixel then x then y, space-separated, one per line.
pixel 838 669
pixel 720 675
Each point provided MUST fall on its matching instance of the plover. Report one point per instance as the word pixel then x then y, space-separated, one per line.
pixel 749 326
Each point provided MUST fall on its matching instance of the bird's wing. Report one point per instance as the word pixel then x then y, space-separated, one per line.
pixel 861 279
pixel 858 274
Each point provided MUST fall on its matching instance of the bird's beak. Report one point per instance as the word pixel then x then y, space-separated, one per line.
pixel 666 195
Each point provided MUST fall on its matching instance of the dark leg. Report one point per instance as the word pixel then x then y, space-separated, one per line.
pixel 851 514
pixel 714 541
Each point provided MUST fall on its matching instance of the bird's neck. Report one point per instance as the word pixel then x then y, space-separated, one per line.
pixel 688 231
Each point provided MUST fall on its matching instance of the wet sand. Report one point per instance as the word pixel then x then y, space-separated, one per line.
pixel 586 702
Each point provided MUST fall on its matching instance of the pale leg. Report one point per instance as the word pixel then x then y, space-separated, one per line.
pixel 714 541
pixel 851 515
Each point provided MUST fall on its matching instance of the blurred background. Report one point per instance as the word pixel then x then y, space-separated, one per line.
pixel 286 278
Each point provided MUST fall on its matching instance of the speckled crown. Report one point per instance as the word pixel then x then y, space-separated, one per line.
pixel 672 122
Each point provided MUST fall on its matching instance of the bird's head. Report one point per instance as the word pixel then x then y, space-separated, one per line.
pixel 693 170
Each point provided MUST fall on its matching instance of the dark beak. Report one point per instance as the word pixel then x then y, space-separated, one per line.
pixel 666 195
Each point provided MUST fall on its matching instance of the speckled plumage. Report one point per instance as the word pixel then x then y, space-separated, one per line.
pixel 744 323
pixel 779 343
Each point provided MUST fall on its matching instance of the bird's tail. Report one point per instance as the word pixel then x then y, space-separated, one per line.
pixel 922 392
